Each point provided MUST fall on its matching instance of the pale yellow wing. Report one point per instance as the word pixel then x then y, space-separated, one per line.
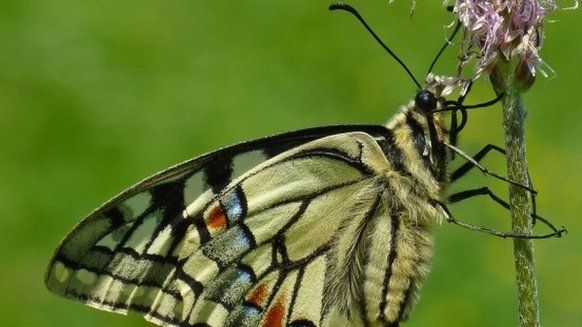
pixel 256 253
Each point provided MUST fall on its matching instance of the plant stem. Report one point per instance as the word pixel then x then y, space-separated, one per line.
pixel 514 114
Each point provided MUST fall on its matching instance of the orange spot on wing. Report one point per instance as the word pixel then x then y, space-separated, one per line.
pixel 216 218
pixel 258 296
pixel 276 314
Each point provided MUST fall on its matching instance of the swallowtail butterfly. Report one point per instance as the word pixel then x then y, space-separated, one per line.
pixel 326 226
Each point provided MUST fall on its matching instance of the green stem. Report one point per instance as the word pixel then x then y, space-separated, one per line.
pixel 514 114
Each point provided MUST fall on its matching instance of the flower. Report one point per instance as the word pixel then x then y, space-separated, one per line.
pixel 510 29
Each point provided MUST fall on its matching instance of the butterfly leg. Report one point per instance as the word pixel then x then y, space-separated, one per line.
pixel 474 163
pixel 451 219
pixel 465 168
pixel 467 194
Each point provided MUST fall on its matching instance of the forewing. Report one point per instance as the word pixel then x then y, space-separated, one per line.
pixel 264 236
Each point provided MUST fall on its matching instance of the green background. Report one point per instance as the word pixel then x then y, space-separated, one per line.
pixel 96 95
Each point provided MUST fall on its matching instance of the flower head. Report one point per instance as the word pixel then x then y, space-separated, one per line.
pixel 511 29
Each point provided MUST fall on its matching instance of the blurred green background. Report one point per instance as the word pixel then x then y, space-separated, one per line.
pixel 95 96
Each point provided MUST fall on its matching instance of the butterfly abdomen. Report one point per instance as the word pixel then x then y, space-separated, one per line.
pixel 398 257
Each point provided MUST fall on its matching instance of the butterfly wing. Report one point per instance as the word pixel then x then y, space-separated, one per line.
pixel 240 253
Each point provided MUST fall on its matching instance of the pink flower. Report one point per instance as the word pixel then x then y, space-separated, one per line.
pixel 511 29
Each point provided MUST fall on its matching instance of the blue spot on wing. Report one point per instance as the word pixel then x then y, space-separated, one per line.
pixel 244 316
pixel 230 286
pixel 228 246
pixel 242 241
pixel 234 204
pixel 250 310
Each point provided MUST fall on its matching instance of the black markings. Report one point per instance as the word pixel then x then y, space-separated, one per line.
pixel 195 285
pixel 200 225
pixel 131 306
pixel 133 254
pixel 134 226
pixel 293 220
pixel 333 154
pixel 248 270
pixel 364 225
pixel 115 216
pixel 280 279
pixel 292 265
pixel 418 138
pixel 393 153
pixel 406 300
pixel 302 323
pixel 295 292
pixel 420 143
pixel 180 227
pixel 278 144
pixel 219 173
pixel 279 250
pixel 170 197
pixel 305 200
pixel 124 280
pixel 286 268
pixel 242 201
pixel 326 153
pixel 96 259
pixel 158 273
pixel 275 149
pixel 249 236
pixel 166 197
pixel 394 226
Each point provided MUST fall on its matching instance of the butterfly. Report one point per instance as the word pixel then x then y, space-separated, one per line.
pixel 327 226
pixel 290 230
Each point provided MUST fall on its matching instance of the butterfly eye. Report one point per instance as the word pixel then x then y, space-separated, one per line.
pixel 425 100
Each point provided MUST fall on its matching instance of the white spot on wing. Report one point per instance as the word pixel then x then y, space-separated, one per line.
pixel 86 277
pixel 60 272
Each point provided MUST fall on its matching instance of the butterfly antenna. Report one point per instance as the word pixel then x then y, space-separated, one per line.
pixel 353 11
pixel 447 43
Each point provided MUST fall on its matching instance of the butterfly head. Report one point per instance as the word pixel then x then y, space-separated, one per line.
pixel 428 110
pixel 432 99
pixel 426 101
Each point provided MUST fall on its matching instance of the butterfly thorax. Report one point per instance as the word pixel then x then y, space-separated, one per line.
pixel 417 152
